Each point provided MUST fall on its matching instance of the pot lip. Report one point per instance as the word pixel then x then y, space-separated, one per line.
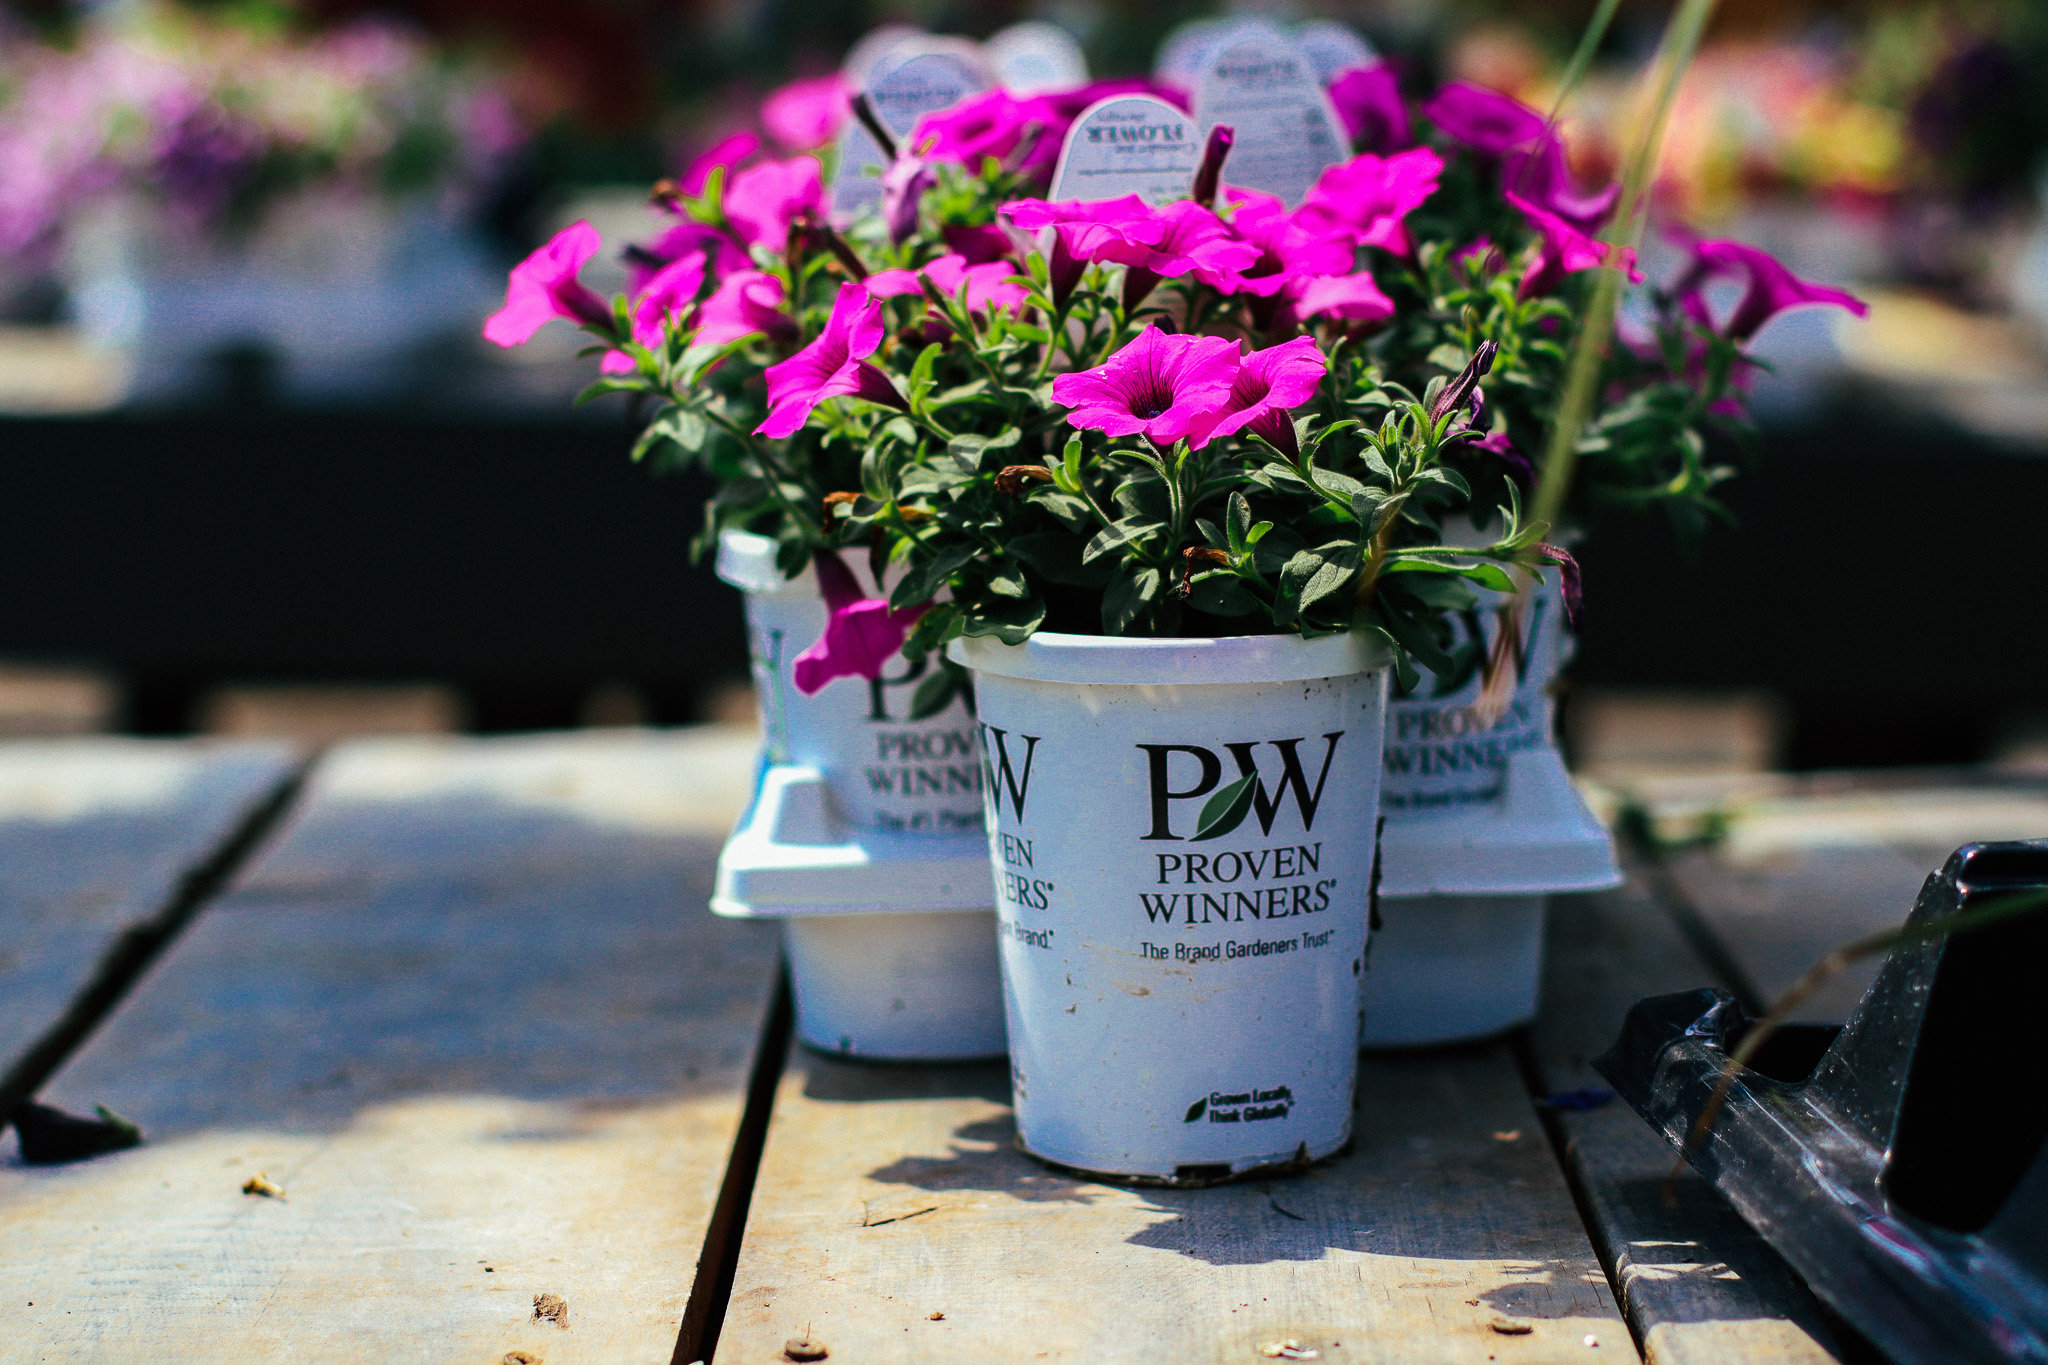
pixel 747 562
pixel 1051 656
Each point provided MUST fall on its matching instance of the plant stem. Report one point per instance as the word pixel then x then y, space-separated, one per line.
pixel 1589 350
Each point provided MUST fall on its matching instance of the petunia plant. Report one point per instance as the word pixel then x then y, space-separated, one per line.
pixel 1223 415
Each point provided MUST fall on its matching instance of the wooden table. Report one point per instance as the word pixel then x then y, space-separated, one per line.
pixel 526 1101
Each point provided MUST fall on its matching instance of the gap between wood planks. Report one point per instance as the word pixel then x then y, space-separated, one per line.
pixel 141 943
pixel 1531 1068
pixel 719 1261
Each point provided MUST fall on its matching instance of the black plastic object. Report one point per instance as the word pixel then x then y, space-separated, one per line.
pixel 1897 1161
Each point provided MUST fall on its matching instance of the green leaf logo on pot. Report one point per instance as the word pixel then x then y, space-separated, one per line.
pixel 1224 812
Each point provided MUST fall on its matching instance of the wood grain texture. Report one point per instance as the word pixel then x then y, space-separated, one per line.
pixel 469 1012
pixel 1699 1287
pixel 94 836
pixel 888 1195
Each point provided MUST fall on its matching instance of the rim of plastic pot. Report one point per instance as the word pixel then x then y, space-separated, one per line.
pixel 747 562
pixel 1050 656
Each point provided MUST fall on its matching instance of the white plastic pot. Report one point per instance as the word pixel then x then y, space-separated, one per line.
pixel 1459 951
pixel 1181 1008
pixel 1442 757
pixel 1449 968
pixel 885 771
pixel 864 836
pixel 897 987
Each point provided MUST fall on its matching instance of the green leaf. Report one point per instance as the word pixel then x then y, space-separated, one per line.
pixel 1010 620
pixel 1337 571
pixel 1128 531
pixel 1056 557
pixel 969 451
pixel 924 580
pixel 934 694
pixel 1226 810
pixel 1221 594
pixel 1239 520
pixel 1128 596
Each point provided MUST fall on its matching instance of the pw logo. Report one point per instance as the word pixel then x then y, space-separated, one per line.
pixel 1228 806
pixel 1002 775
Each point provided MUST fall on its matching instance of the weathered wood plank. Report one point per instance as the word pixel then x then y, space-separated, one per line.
pixel 1699 1287
pixel 469 1012
pixel 888 1196
pixel 95 834
pixel 1800 873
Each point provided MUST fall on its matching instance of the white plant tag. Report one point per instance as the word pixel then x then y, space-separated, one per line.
pixel 1287 131
pixel 1129 144
pixel 915 77
pixel 1183 56
pixel 1332 48
pixel 1033 57
pixel 873 46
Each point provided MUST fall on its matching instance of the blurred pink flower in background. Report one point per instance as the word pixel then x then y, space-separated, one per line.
pixel 544 287
pixel 764 199
pixel 1565 250
pixel 1346 298
pixel 806 115
pixel 1366 197
pixel 862 634
pixel 1286 248
pixel 745 302
pixel 726 153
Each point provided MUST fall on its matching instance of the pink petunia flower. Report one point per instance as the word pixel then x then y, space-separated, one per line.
pixel 988 284
pixel 1565 250
pixel 805 115
pixel 1352 298
pixel 719 252
pixel 1485 120
pixel 1366 197
pixel 727 153
pixel 670 292
pixel 1158 386
pixel 745 302
pixel 862 634
pixel 993 123
pixel 1081 229
pixel 833 366
pixel 1772 288
pixel 1192 240
pixel 1368 100
pixel 1286 248
pixel 978 245
pixel 763 200
pixel 1270 384
pixel 544 287
pixel 1541 176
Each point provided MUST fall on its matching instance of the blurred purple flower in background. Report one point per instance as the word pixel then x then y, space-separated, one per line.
pixel 1487 121
pixel 1772 289
pixel 1368 100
